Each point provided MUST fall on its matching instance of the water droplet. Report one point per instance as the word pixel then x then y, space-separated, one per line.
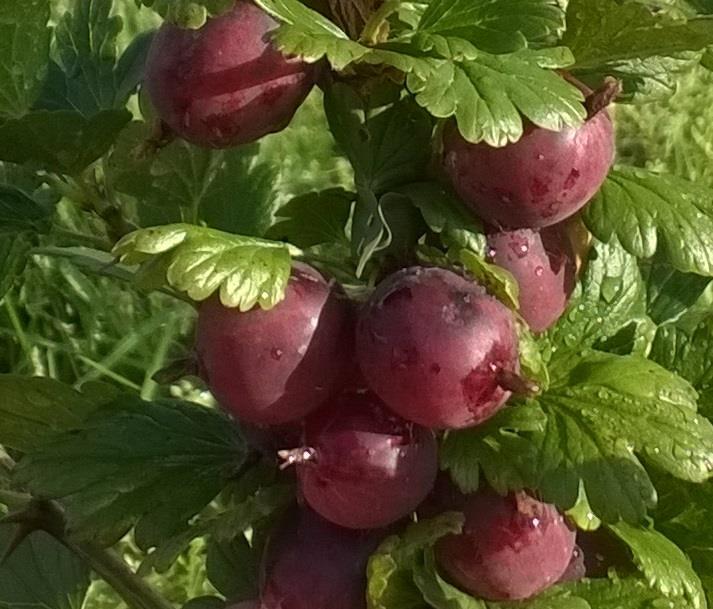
pixel 276 354
pixel 540 157
pixel 539 271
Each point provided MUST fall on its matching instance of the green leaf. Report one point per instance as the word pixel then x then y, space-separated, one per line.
pixel 205 602
pixel 500 446
pixel 499 282
pixel 245 513
pixel 597 419
pixel 603 32
pixel 24 54
pixel 233 567
pixel 670 292
pixel 650 212
pixel 610 295
pixel 387 139
pixel 643 80
pixel 201 261
pixel 188 13
pixel 490 94
pixel 314 218
pixel 686 348
pixel 227 189
pixel 20 212
pixel 496 26
pixel 665 566
pixel 532 360
pixel 87 76
pixel 606 411
pixel 41 573
pixel 61 140
pixel 310 35
pixel 442 210
pixel 390 580
pixel 436 591
pixel 129 463
pixel 626 593
pixel 293 12
pixel 33 410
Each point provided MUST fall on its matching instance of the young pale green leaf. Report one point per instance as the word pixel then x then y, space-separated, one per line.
pixel 499 282
pixel 622 593
pixel 188 13
pixel 42 572
pixel 130 461
pixel 664 565
pixel 490 94
pixel 669 292
pixel 603 32
pixel 61 140
pixel 311 36
pixel 650 212
pixel 610 296
pixel 314 218
pixel 390 570
pixel 532 359
pixel 200 261
pixel 437 592
pixel 24 54
pixel 33 409
pixel 293 12
pixel 88 77
pixel 496 26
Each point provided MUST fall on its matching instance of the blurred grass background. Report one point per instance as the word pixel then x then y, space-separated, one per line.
pixel 62 323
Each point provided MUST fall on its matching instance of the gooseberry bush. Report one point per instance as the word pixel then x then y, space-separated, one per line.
pixel 350 304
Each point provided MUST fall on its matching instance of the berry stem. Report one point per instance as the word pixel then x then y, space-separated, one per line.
pixel 517 384
pixel 603 97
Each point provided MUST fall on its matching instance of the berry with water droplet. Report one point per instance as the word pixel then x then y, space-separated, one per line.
pixel 436 347
pixel 273 367
pixel 511 548
pixel 543 263
pixel 537 181
pixel 225 84
pixel 366 467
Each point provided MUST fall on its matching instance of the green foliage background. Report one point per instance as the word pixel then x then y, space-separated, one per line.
pixel 76 328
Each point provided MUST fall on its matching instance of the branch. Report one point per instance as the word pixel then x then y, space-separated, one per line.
pixel 134 590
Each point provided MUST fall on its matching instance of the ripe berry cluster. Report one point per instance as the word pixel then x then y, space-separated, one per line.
pixel 356 396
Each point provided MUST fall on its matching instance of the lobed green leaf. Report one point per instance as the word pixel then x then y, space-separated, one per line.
pixel 246 271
